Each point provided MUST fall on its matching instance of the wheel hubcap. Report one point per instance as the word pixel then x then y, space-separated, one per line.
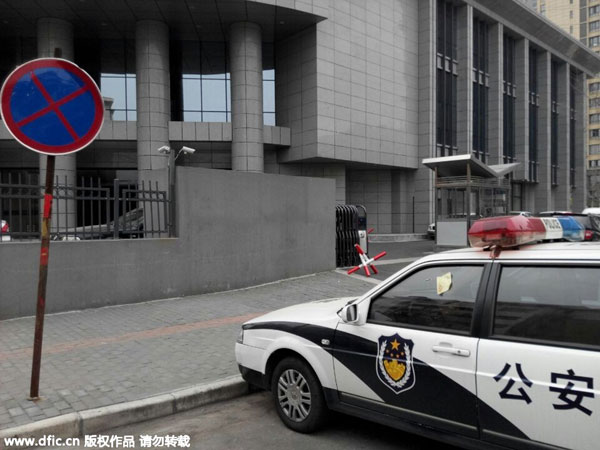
pixel 293 395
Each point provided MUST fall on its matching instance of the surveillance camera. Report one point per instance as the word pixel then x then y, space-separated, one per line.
pixel 188 150
pixel 165 150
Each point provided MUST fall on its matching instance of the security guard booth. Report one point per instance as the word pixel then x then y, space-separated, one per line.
pixel 467 189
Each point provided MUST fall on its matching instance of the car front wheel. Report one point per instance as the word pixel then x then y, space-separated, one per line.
pixel 298 396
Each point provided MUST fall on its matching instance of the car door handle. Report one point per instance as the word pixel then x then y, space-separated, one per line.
pixel 451 350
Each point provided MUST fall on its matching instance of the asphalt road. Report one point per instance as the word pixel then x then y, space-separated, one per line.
pixel 251 423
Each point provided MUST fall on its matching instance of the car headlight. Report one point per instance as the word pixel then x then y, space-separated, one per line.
pixel 240 338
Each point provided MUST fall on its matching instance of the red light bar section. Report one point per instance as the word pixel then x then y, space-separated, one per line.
pixel 506 231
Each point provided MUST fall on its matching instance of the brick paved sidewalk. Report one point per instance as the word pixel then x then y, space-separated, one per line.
pixel 104 356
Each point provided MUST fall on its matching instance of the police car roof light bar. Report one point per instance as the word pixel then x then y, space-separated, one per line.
pixel 506 231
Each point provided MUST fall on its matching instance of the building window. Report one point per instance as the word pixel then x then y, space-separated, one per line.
pixel 269 97
pixel 570 14
pixel 594 118
pixel 206 82
pixel 117 77
pixel 594 87
pixel 16 51
pixel 594 10
pixel 594 149
pixel 533 115
pixel 594 26
pixel 595 102
pixel 480 88
pixel 595 133
pixel 510 92
pixel 594 41
pixel 554 123
pixel 447 73
pixel 572 126
pixel 268 53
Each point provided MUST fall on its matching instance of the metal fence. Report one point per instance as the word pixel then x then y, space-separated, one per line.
pixel 90 210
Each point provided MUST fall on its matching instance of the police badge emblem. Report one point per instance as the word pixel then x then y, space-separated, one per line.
pixel 395 363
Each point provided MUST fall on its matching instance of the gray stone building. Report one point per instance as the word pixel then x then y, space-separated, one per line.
pixel 360 91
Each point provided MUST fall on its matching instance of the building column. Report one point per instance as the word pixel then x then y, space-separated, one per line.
pixel 496 92
pixel 543 190
pixel 153 99
pixel 562 197
pixel 580 191
pixel 465 80
pixel 245 63
pixel 422 182
pixel 522 110
pixel 55 38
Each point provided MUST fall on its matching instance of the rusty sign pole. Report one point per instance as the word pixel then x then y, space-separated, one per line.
pixel 43 278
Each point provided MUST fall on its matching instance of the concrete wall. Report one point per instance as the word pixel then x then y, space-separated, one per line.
pixel 236 230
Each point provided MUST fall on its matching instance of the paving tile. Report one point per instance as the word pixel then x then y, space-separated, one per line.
pixel 103 356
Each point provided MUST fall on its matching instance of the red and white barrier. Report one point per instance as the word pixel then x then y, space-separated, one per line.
pixel 366 262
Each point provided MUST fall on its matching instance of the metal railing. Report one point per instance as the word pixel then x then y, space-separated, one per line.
pixel 90 210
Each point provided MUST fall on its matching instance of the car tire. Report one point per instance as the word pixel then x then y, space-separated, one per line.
pixel 298 396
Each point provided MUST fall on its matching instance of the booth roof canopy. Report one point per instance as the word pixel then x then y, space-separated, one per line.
pixel 456 166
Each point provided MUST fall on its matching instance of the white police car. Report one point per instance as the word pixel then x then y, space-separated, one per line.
pixel 477 348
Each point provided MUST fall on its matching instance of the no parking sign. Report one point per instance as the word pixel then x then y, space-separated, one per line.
pixel 52 106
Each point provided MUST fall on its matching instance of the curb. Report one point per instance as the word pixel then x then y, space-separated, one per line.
pixel 410 237
pixel 93 421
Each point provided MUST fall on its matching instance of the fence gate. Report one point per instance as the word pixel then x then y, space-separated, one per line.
pixel 349 220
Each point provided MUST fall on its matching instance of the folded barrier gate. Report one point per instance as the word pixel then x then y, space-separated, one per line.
pixel 350 221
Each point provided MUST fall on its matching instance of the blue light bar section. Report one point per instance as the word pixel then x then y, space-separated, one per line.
pixel 572 230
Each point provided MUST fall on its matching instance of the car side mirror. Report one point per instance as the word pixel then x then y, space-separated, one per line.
pixel 349 313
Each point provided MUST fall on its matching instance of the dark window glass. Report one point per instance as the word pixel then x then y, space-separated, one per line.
pixel 509 99
pixel 554 123
pixel 14 52
pixel 572 126
pixel 415 301
pixel 559 304
pixel 533 114
pixel 447 72
pixel 480 88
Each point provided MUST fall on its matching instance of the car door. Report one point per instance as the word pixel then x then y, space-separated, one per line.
pixel 415 356
pixel 539 365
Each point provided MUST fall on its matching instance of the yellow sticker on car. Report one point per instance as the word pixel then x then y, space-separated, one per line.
pixel 444 283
